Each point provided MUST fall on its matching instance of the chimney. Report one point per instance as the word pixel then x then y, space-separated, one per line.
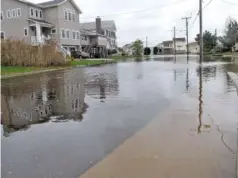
pixel 98 25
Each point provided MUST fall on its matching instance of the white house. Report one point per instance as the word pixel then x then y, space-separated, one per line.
pixel 193 47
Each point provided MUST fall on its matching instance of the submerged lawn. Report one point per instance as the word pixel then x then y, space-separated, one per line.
pixel 87 62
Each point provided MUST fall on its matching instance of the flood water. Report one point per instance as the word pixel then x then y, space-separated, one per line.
pixel 60 124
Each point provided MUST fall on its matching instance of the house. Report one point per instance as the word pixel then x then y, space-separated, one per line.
pixel 37 23
pixel 128 49
pixel 168 46
pixel 193 47
pixel 236 46
pixel 181 46
pixel 98 36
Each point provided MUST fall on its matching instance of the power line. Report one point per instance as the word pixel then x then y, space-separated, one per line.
pixel 228 2
pixel 207 4
pixel 135 11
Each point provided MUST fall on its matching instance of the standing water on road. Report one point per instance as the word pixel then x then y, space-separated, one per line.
pixel 61 124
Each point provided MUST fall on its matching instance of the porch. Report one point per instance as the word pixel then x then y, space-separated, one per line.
pixel 40 31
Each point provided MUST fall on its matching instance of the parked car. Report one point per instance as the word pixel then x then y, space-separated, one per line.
pixel 79 54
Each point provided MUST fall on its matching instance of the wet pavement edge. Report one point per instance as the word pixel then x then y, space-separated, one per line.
pixel 234 78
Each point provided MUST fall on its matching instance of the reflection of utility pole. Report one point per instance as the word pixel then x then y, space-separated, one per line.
pixel 186 19
pixel 187 79
pixel 200 111
pixel 200 31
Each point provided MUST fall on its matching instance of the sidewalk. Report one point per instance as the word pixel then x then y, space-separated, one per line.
pixel 171 147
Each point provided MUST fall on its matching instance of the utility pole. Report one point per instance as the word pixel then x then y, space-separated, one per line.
pixel 146 43
pixel 186 19
pixel 214 42
pixel 174 41
pixel 200 31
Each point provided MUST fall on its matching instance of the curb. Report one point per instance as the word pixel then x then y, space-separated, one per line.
pixel 234 78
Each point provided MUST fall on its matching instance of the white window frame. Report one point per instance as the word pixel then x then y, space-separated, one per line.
pixel 74 35
pixel 66 12
pixel 61 36
pixel 27 31
pixel 14 10
pixel 3 34
pixel 18 10
pixel 31 9
pixel 54 32
pixel 36 11
pixel 40 14
pixel 9 14
pixel 67 31
pixel 78 35
pixel 2 15
pixel 69 15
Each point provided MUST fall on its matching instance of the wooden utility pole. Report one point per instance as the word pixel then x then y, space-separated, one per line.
pixel 174 41
pixel 186 19
pixel 200 31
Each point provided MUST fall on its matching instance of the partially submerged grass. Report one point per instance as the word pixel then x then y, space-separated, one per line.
pixel 17 69
pixel 88 62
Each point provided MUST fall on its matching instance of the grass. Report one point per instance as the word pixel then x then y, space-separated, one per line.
pixel 16 69
pixel 5 70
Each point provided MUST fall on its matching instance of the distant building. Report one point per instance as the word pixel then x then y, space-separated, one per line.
pixel 128 49
pixel 193 47
pixel 168 46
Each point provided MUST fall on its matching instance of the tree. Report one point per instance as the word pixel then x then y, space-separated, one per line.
pixel 231 33
pixel 209 41
pixel 155 50
pixel 147 51
pixel 137 48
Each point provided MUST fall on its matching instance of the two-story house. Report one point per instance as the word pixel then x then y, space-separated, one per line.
pixel 99 33
pixel 36 23
pixel 178 44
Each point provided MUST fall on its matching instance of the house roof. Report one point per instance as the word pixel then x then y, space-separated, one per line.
pixel 180 39
pixel 30 3
pixel 54 3
pixel 43 22
pixel 168 41
pixel 106 24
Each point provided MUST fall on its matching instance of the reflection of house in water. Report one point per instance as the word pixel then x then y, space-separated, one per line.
pixel 69 97
pixel 102 85
pixel 61 94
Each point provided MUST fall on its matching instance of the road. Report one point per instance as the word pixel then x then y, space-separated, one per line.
pixel 154 118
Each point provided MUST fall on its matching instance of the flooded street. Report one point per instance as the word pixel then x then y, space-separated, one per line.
pixel 152 117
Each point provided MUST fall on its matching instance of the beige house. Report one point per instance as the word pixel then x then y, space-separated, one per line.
pixel 193 47
pixel 168 46
pixel 36 23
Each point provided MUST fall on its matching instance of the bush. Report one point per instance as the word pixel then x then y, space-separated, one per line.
pixel 19 53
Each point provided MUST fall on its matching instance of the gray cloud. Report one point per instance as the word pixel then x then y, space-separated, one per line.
pixel 156 23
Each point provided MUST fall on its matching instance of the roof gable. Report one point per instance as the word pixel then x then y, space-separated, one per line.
pixel 54 3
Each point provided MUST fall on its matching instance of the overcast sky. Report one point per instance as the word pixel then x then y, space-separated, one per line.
pixel 156 18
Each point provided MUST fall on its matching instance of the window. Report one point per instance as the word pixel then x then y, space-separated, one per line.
pixel 69 15
pixel 67 34
pixel 14 13
pixel 65 15
pixel 62 33
pixel 74 35
pixel 73 17
pixel 9 14
pixel 36 12
pixel 18 12
pixel 41 15
pixel 25 31
pixel 53 31
pixel 78 35
pixel 31 12
pixel 1 15
pixel 2 35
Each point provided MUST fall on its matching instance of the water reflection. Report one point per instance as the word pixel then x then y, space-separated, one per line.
pixel 187 79
pixel 200 69
pixel 24 105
